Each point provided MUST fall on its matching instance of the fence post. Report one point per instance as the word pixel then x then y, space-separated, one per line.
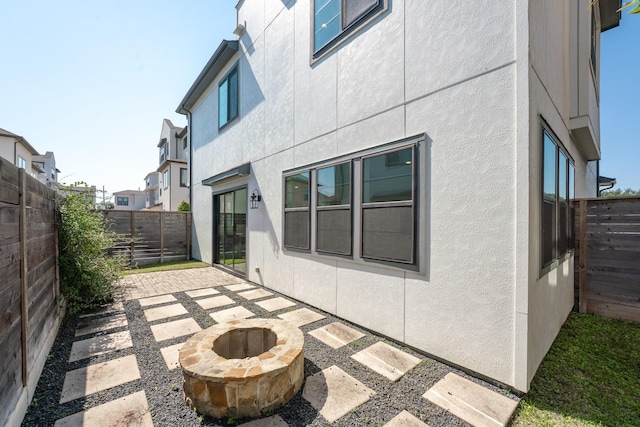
pixel 132 244
pixel 161 236
pixel 24 315
pixel 187 220
pixel 582 285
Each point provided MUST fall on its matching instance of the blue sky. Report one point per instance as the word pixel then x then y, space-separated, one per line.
pixel 92 81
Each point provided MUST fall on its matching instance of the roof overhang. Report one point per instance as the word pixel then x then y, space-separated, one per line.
pixel 610 14
pixel 220 58
pixel 240 171
pixel 606 181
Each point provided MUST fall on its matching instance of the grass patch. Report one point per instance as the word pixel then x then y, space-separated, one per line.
pixel 166 266
pixel 590 377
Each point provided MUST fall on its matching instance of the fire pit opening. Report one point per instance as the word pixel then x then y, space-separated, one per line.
pixel 241 343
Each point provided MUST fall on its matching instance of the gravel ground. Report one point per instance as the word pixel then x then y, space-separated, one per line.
pixel 163 387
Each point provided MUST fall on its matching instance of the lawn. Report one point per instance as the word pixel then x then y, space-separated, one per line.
pixel 166 266
pixel 590 377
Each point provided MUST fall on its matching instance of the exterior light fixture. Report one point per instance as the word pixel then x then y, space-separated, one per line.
pixel 255 199
pixel 239 31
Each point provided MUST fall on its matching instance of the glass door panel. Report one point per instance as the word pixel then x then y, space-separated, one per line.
pixel 231 210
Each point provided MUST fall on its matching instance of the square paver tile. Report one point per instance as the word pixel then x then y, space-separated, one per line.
pixel 101 324
pixel 274 421
pixel 170 355
pixel 161 299
pixel 386 360
pixel 473 403
pixel 301 317
pixel 334 393
pixel 255 294
pixel 274 304
pixel 116 307
pixel 405 419
pixel 100 345
pixel 239 287
pixel 336 334
pixel 215 302
pixel 174 329
pixel 202 292
pixel 233 313
pixel 131 410
pixel 102 376
pixel 164 312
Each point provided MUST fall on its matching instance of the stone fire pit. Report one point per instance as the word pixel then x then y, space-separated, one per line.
pixel 242 368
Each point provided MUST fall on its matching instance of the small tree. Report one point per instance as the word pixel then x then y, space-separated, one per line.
pixel 88 275
pixel 619 193
pixel 184 206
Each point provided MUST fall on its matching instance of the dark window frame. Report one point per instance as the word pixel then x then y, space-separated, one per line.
pixel 293 210
pixel 232 114
pixel 334 208
pixel 122 201
pixel 184 182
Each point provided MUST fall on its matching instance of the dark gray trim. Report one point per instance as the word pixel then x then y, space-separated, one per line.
pixel 220 58
pixel 241 170
pixel 610 14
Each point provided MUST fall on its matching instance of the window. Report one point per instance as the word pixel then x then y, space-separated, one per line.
pixel 22 163
pixel 122 201
pixel 184 177
pixel 162 153
pixel 184 143
pixel 558 178
pixel 228 98
pixel 335 18
pixel 363 206
pixel 165 179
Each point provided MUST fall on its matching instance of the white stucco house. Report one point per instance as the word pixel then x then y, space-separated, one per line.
pixel 47 164
pixel 19 152
pixel 409 164
pixel 129 200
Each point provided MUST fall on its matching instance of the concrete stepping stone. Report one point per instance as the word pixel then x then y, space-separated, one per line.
pixel 301 317
pixel 170 355
pixel 174 329
pixel 161 299
pixel 215 302
pixel 116 307
pixel 202 292
pixel 131 410
pixel 275 421
pixel 233 313
pixel 471 402
pixel 336 334
pixel 275 304
pixel 239 287
pixel 334 393
pixel 100 345
pixel 255 294
pixel 101 324
pixel 405 419
pixel 386 360
pixel 165 312
pixel 102 376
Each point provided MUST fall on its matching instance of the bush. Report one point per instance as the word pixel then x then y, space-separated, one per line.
pixel 184 206
pixel 88 275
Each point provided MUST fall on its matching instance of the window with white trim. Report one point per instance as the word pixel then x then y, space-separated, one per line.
pixel 165 179
pixel 184 177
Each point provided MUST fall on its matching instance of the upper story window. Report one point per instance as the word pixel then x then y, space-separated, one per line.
pixel 228 98
pixel 184 143
pixel 165 179
pixel 162 153
pixel 333 19
pixel 122 201
pixel 22 163
pixel 184 177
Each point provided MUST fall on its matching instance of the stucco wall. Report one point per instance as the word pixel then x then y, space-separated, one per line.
pixel 6 148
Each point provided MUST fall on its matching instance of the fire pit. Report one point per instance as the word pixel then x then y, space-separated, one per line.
pixel 242 368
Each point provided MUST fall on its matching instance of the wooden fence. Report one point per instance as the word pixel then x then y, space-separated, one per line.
pixel 608 257
pixel 157 236
pixel 29 287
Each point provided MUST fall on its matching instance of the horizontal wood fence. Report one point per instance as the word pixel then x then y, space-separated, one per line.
pixel 608 257
pixel 29 287
pixel 147 237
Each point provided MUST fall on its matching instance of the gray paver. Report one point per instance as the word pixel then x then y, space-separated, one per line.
pixel 202 292
pixel 102 376
pixel 471 402
pixel 405 419
pixel 275 304
pixel 386 360
pixel 336 334
pixel 100 345
pixel 231 314
pixel 161 299
pixel 170 355
pixel 274 421
pixel 301 317
pixel 101 324
pixel 174 329
pixel 116 307
pixel 165 312
pixel 131 410
pixel 334 393
pixel 215 302
pixel 239 287
pixel 255 294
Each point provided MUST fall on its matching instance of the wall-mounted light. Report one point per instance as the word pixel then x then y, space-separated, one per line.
pixel 239 31
pixel 255 199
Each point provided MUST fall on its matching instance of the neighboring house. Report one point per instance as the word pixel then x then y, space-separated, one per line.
pixel 413 163
pixel 174 168
pixel 152 191
pixel 18 151
pixel 47 163
pixel 129 200
pixel 89 192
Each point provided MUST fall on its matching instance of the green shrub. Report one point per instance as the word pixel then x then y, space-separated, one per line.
pixel 88 275
pixel 184 206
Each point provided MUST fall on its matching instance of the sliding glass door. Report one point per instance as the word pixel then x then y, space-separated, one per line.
pixel 231 228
